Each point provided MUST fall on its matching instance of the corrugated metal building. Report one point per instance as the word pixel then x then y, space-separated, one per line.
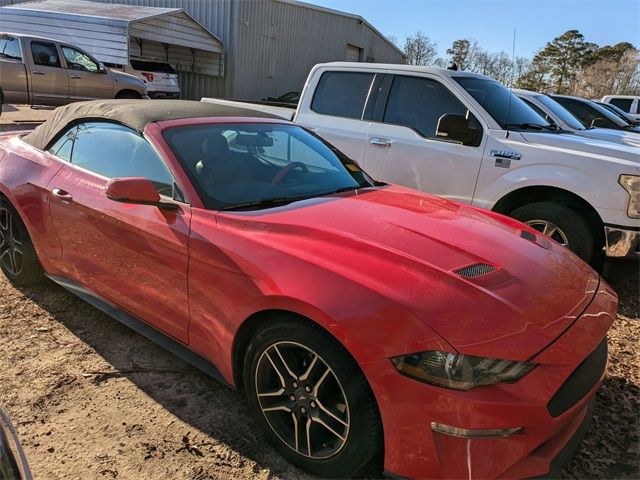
pixel 270 45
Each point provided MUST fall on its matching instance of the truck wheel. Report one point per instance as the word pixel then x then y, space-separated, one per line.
pixel 127 95
pixel 560 223
pixel 18 259
pixel 310 399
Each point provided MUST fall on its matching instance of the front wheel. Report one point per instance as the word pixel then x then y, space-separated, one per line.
pixel 310 399
pixel 562 224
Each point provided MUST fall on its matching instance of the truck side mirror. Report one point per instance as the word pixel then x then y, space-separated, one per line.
pixel 456 127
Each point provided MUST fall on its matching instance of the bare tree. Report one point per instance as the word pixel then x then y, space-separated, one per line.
pixel 420 50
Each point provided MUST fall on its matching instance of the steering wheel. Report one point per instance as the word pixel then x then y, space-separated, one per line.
pixel 286 170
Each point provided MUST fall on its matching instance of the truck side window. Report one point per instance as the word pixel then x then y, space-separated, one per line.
pixel 418 103
pixel 622 103
pixel 342 94
pixel 45 54
pixel 76 60
pixel 10 48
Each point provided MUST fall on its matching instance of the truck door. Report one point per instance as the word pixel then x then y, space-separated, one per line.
pixel 49 83
pixel 336 108
pixel 402 146
pixel 87 79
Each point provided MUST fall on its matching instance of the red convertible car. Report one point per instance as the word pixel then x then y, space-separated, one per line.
pixel 365 322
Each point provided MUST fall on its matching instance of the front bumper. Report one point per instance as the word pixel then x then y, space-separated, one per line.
pixel 408 407
pixel 622 242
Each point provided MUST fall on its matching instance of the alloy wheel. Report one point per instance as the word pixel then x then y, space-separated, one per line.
pixel 550 229
pixel 11 243
pixel 302 400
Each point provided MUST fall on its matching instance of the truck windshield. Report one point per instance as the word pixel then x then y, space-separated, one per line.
pixel 561 112
pixel 505 108
pixel 255 166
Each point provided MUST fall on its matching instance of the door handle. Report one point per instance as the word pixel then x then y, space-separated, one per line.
pixel 75 76
pixel 381 142
pixel 37 72
pixel 62 194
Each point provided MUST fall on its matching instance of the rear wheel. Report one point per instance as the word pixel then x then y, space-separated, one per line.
pixel 562 224
pixel 18 259
pixel 311 400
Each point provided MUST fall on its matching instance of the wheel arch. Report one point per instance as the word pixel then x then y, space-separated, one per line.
pixel 127 91
pixel 545 193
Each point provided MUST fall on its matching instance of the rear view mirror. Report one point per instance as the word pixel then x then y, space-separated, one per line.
pixel 137 190
pixel 456 127
pixel 599 122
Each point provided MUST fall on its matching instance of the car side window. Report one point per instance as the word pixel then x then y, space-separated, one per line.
pixel 342 94
pixel 418 103
pixel 45 54
pixel 112 150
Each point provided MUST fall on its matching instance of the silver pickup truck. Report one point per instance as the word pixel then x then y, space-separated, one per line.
pixel 40 71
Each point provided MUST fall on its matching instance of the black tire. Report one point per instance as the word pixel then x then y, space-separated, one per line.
pixel 338 457
pixel 21 269
pixel 572 226
pixel 128 95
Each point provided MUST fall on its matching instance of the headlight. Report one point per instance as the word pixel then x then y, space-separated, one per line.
pixel 457 371
pixel 631 183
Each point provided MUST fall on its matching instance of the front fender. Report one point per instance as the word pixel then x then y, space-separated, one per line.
pixel 577 181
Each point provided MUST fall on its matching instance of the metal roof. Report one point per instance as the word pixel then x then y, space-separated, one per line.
pixel 126 13
pixel 170 25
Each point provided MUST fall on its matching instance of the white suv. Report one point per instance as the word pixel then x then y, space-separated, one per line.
pixel 160 77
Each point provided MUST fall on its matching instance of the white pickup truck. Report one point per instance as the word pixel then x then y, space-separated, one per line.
pixel 466 137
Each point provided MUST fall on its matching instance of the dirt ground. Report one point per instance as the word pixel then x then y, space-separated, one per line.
pixel 92 399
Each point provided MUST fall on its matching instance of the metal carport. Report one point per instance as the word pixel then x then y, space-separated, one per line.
pixel 114 33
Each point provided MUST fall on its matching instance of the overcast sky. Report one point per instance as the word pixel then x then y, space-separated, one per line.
pixel 491 22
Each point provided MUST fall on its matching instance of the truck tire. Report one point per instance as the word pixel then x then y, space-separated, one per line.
pixel 562 224
pixel 127 94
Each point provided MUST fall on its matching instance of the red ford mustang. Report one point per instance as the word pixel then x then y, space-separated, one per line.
pixel 361 319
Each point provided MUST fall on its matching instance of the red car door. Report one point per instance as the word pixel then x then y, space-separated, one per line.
pixel 135 256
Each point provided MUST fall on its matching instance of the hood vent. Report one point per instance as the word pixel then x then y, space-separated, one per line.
pixel 476 270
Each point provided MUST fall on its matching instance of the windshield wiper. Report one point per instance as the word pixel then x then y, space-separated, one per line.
pixel 266 203
pixel 532 126
pixel 343 189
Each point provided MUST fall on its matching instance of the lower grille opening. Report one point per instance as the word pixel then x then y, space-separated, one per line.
pixel 580 381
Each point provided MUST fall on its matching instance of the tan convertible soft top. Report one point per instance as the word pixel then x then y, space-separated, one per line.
pixel 136 114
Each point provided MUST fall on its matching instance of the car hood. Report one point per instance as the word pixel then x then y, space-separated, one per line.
pixel 609 135
pixel 410 247
pixel 582 145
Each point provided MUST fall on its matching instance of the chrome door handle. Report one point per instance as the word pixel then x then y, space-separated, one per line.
pixel 75 76
pixel 381 142
pixel 62 194
pixel 37 72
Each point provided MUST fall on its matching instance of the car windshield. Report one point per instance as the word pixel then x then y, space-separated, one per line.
pixel 617 111
pixel 505 107
pixel 253 166
pixel 565 115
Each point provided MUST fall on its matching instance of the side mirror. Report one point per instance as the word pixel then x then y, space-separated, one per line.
pixel 456 127
pixel 599 122
pixel 102 68
pixel 137 190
